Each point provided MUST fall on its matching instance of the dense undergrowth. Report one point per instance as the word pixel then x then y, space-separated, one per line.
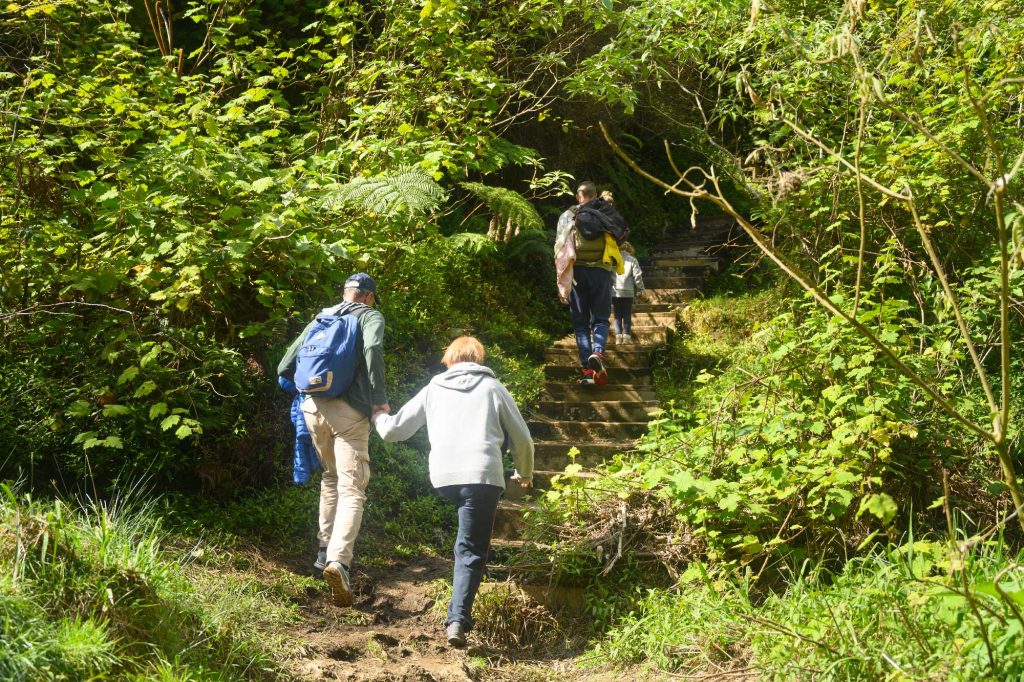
pixel 104 591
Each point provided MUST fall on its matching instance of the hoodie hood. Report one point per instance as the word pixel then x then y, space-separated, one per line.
pixel 463 376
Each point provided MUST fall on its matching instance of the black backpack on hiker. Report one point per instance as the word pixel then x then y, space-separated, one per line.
pixel 598 216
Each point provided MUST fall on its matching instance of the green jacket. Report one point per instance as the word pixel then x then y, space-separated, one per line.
pixel 367 387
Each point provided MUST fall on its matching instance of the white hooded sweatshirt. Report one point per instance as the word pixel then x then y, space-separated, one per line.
pixel 467 413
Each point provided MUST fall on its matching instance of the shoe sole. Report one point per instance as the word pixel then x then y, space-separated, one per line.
pixel 342 595
pixel 600 373
pixel 456 643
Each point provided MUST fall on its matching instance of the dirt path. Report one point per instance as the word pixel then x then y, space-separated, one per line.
pixel 394 633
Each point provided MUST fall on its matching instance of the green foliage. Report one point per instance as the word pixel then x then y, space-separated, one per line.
pixel 917 611
pixel 390 195
pixel 506 206
pixel 99 592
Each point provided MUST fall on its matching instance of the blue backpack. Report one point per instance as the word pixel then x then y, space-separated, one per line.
pixel 326 362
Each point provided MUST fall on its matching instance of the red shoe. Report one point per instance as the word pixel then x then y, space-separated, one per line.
pixel 597 368
pixel 588 378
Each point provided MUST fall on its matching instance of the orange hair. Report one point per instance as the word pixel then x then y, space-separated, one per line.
pixel 464 349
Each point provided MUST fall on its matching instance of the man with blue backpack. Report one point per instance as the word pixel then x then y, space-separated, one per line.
pixel 337 363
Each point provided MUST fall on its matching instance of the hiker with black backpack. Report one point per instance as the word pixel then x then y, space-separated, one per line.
pixel 586 254
pixel 337 363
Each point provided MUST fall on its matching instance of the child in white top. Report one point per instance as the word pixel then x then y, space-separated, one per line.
pixel 626 287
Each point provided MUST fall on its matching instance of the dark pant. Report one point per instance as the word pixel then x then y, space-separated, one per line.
pixel 477 504
pixel 623 314
pixel 590 304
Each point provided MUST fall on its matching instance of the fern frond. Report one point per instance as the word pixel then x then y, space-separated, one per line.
pixel 474 242
pixel 507 206
pixel 388 194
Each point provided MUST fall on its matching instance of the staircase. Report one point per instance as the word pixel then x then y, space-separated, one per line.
pixel 601 421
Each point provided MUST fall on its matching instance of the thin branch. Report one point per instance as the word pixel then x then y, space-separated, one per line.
pixel 828 150
pixel 933 255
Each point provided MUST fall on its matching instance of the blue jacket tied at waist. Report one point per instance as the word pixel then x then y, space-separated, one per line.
pixel 306 461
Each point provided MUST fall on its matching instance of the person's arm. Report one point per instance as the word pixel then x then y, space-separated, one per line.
pixel 519 438
pixel 404 423
pixel 286 368
pixel 372 324
pixel 638 277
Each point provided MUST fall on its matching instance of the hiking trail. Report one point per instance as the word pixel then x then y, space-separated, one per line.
pixel 392 634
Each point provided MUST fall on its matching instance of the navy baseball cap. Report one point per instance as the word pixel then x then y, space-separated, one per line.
pixel 364 282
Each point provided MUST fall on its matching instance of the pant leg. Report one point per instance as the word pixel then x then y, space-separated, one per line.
pixel 579 309
pixel 346 475
pixel 600 306
pixel 617 306
pixel 627 315
pixel 322 437
pixel 476 505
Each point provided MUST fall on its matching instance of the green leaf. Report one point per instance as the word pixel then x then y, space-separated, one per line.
pixel 261 185
pixel 184 431
pixel 879 504
pixel 127 375
pixel 79 408
pixel 157 410
pixel 115 410
pixel 170 421
pixel 730 502
pixel 145 389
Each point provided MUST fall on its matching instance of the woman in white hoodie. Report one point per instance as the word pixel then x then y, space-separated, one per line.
pixel 468 415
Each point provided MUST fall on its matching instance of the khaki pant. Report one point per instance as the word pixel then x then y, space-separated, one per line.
pixel 341 436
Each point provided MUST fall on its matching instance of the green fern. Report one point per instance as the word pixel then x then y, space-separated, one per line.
pixel 473 242
pixel 507 206
pixel 388 194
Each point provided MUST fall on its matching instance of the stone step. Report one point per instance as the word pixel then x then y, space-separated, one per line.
pixel 584 431
pixel 608 392
pixel 542 481
pixel 665 318
pixel 669 282
pixel 643 337
pixel 625 355
pixel 625 410
pixel 508 520
pixel 670 294
pixel 637 376
pixel 695 279
pixel 702 263
pixel 554 455
pixel 645 307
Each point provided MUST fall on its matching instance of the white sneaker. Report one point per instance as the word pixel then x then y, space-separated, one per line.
pixel 626 338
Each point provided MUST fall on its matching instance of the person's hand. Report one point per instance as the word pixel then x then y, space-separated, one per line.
pixel 378 410
pixel 523 482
